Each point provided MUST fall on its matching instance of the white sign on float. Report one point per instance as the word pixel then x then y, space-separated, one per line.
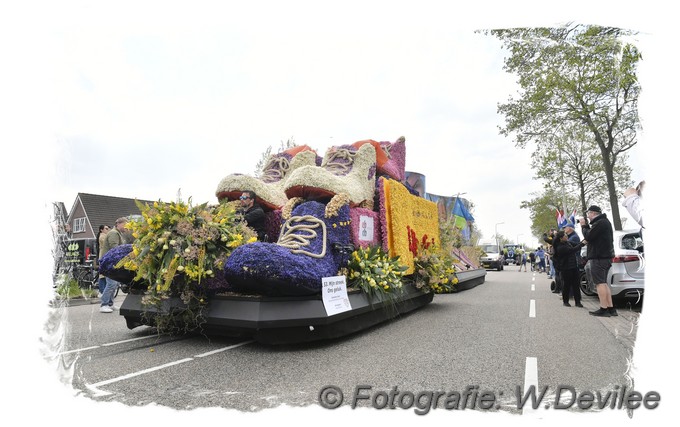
pixel 366 228
pixel 334 293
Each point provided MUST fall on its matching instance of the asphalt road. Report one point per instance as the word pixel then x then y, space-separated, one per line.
pixel 498 338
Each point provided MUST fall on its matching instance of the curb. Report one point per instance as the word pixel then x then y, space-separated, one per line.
pixel 58 302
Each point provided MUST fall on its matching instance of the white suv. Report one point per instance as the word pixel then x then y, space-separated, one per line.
pixel 626 276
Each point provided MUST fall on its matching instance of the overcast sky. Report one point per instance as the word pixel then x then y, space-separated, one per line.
pixel 145 111
pixel 145 100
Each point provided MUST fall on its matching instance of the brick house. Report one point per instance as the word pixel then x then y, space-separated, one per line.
pixel 89 211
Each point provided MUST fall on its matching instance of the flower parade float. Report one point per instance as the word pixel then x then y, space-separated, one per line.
pixel 348 246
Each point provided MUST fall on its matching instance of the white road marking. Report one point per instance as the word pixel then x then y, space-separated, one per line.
pixel 78 350
pixel 219 350
pixel 130 340
pixel 530 379
pixel 532 308
pixel 533 287
pixel 94 388
pixel 74 351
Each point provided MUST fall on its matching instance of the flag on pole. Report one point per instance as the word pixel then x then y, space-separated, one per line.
pixel 459 214
pixel 561 221
pixel 572 217
pixel 462 217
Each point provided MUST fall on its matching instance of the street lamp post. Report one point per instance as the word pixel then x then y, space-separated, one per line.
pixel 496 230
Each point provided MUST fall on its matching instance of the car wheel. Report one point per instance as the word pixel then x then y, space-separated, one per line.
pixel 585 287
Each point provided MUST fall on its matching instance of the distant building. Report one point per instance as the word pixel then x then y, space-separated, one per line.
pixel 89 211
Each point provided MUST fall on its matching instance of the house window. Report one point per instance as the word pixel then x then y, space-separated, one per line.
pixel 79 225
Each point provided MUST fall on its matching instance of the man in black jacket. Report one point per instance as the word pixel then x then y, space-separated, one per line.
pixel 253 214
pixel 600 237
pixel 565 263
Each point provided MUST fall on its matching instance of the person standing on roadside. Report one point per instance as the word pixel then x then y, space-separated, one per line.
pixel 566 265
pixel 101 236
pixel 523 262
pixel 113 238
pixel 599 235
pixel 554 273
pixel 540 257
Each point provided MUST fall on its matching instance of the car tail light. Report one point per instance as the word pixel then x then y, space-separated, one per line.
pixel 626 258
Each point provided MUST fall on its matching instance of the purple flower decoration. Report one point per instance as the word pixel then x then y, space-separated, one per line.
pixel 108 262
pixel 396 151
pixel 272 224
pixel 371 172
pixel 217 284
pixel 305 253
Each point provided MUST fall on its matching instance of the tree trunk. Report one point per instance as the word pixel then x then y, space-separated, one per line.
pixel 611 187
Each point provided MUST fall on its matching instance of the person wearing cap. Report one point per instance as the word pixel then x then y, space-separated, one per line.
pixel 574 239
pixel 570 230
pixel 599 235
pixel 567 267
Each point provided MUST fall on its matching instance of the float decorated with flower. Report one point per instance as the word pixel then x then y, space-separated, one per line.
pixel 348 245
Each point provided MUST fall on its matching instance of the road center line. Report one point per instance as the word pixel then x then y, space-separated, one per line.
pixel 75 351
pixel 533 287
pixel 532 308
pixel 530 379
pixel 78 350
pixel 95 387
pixel 130 340
pixel 219 350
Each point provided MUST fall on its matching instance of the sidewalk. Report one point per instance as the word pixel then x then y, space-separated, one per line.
pixel 72 302
pixel 623 327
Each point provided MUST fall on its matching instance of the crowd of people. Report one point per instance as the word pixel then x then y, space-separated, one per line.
pixel 564 258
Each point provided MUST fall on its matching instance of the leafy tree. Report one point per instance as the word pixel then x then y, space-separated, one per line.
pixel 575 75
pixel 571 164
pixel 542 210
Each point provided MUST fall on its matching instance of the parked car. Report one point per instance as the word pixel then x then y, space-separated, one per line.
pixel 626 277
pixel 627 273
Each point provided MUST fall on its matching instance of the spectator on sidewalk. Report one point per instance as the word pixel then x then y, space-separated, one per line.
pixel 101 235
pixel 566 265
pixel 114 237
pixel 599 235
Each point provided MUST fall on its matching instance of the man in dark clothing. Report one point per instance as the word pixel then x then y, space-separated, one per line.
pixel 565 264
pixel 549 239
pixel 600 237
pixel 253 214
pixel 574 239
